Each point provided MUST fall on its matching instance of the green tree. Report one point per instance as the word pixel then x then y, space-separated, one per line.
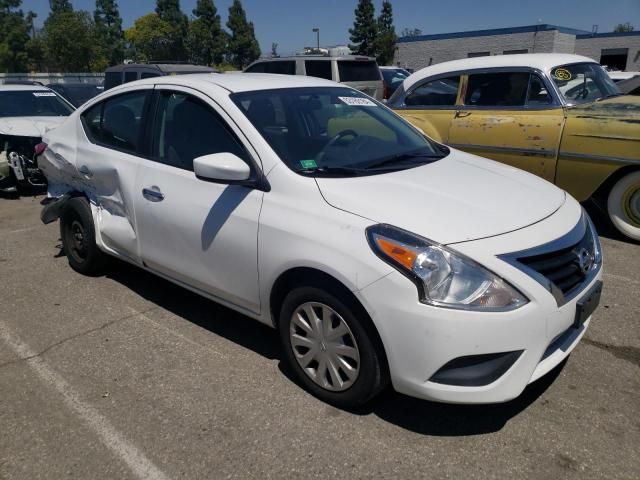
pixel 14 36
pixel 59 6
pixel 71 43
pixel 243 47
pixel 169 11
pixel 109 34
pixel 149 38
pixel 386 40
pixel 364 31
pixel 206 40
pixel 623 27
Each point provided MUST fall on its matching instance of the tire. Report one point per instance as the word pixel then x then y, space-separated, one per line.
pixel 623 205
pixel 355 390
pixel 77 231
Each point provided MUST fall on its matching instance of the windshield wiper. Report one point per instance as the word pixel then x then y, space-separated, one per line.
pixel 405 156
pixel 336 170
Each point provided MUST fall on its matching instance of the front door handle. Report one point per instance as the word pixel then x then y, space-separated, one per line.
pixel 84 170
pixel 153 194
pixel 462 114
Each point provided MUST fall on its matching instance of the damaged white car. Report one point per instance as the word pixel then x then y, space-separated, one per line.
pixel 378 254
pixel 26 113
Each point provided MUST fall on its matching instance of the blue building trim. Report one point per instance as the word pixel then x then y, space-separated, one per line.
pixel 608 34
pixel 502 31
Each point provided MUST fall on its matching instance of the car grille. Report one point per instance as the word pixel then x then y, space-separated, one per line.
pixel 561 268
pixel 565 265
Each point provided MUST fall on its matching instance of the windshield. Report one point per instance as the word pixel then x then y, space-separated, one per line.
pixel 583 83
pixel 335 131
pixel 36 103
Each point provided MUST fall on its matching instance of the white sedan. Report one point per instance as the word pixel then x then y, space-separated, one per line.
pixel 378 254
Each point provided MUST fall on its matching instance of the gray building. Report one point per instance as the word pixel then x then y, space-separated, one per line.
pixel 619 51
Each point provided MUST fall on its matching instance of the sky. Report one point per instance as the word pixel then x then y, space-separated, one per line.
pixel 289 23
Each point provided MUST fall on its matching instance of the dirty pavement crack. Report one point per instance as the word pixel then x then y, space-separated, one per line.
pixel 77 335
pixel 626 353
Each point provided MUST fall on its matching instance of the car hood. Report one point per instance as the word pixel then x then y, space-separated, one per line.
pixel 28 126
pixel 624 107
pixel 459 198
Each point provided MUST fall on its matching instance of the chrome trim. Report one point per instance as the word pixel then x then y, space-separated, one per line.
pixel 572 238
pixel 600 158
pixel 522 151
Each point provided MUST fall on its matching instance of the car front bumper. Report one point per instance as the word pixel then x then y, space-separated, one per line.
pixel 507 350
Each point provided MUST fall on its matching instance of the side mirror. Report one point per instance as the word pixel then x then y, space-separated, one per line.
pixel 221 167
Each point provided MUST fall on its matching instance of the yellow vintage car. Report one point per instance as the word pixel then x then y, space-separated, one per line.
pixel 558 116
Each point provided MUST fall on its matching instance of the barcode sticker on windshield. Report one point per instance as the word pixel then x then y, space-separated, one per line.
pixel 357 101
pixel 44 94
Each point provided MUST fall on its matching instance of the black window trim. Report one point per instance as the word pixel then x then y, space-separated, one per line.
pixel 141 135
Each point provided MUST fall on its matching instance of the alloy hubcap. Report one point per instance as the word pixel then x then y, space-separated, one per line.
pixel 324 346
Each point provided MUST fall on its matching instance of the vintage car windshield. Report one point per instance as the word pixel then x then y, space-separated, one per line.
pixel 583 83
pixel 33 103
pixel 335 131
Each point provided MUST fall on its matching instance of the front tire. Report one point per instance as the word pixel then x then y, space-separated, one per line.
pixel 330 348
pixel 78 235
pixel 623 205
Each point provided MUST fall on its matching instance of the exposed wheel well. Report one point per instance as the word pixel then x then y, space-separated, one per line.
pixel 316 278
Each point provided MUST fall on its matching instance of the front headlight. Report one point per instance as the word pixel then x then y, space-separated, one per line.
pixel 444 277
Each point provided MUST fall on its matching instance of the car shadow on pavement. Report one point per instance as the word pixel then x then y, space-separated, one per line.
pixel 420 416
pixel 198 310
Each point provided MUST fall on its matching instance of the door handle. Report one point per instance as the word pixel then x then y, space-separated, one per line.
pixel 153 194
pixel 84 170
pixel 462 114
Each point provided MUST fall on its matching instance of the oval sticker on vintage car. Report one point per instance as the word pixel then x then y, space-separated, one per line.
pixel 562 74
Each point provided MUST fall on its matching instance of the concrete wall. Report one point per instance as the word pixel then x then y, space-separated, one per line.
pixel 46 78
pixel 420 54
pixel 592 47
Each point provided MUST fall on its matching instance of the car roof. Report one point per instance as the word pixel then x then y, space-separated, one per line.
pixel 22 88
pixel 238 82
pixel 317 57
pixel 162 67
pixel 542 61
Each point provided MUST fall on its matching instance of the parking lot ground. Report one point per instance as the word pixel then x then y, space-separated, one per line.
pixel 128 376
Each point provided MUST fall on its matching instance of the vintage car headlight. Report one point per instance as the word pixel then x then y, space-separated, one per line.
pixel 444 278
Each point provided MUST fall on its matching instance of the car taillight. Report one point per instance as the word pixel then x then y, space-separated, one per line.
pixel 387 92
pixel 40 149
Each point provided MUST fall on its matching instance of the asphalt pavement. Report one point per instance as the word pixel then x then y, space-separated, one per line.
pixel 128 376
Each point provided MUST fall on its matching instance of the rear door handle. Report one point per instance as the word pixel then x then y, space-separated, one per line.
pixel 462 114
pixel 84 170
pixel 153 194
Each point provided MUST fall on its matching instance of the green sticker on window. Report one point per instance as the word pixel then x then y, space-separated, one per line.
pixel 307 164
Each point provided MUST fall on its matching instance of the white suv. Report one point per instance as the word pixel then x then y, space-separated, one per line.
pixel 361 73
pixel 378 254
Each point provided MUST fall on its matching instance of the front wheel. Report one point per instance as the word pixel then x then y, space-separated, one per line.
pixel 623 205
pixel 329 348
pixel 78 235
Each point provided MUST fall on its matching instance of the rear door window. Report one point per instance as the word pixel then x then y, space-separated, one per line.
pixel 116 122
pixel 112 79
pixel 318 68
pixel 256 68
pixel 500 89
pixel 358 71
pixel 130 76
pixel 436 93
